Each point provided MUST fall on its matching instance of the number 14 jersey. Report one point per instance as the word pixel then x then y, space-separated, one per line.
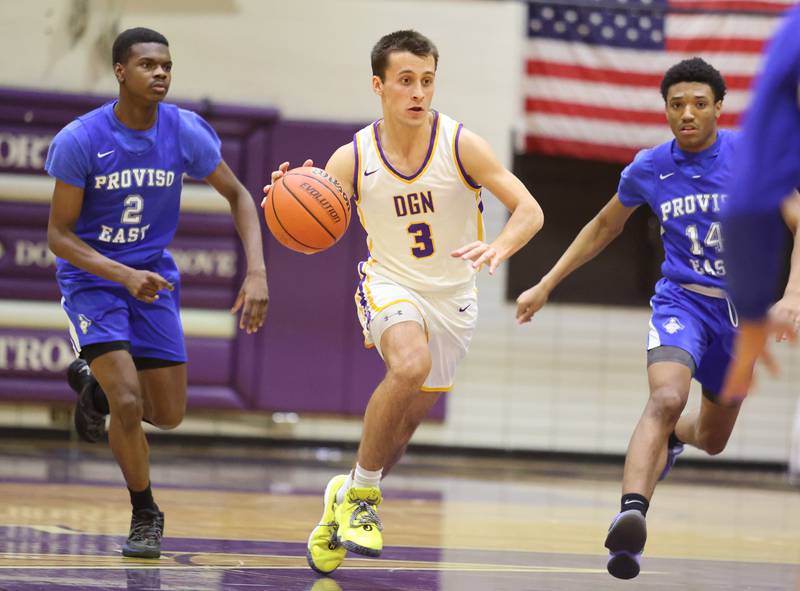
pixel 686 192
pixel 414 222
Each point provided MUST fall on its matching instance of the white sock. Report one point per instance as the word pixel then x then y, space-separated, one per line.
pixel 341 492
pixel 366 478
pixel 360 478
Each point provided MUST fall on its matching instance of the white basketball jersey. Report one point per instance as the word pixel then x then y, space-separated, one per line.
pixel 414 222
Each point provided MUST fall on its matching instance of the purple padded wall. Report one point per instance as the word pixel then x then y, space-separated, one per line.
pixel 308 358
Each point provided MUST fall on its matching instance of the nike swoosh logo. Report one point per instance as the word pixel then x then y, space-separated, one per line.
pixel 633 501
pixel 665 176
pixel 369 172
pixel 104 154
pixel 464 309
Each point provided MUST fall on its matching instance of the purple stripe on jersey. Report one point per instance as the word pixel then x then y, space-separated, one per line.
pixel 355 169
pixel 362 294
pixel 427 156
pixel 470 181
pixel 480 205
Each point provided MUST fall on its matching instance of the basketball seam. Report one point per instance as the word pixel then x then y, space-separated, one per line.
pixel 303 205
pixel 345 209
pixel 289 234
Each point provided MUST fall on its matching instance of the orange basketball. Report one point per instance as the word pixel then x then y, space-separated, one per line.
pixel 307 210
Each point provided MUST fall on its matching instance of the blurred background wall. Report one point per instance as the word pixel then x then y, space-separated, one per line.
pixel 575 379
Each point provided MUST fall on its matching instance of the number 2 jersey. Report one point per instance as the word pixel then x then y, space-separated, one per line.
pixel 686 192
pixel 131 181
pixel 414 222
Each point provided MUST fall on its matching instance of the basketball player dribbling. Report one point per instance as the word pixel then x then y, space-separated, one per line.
pixel 114 210
pixel 684 181
pixel 416 177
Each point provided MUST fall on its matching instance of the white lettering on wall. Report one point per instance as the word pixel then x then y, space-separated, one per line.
pixel 22 150
pixel 52 354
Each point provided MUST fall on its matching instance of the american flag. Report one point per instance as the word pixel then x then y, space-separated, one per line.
pixel 594 67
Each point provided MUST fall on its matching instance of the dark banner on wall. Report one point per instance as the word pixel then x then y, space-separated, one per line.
pixel 571 192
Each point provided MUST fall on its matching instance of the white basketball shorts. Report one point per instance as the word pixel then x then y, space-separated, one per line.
pixel 448 319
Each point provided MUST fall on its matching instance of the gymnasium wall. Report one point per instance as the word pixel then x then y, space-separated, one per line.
pixel 574 380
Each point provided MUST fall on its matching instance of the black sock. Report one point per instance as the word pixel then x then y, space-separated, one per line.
pixel 143 499
pixel 673 440
pixel 634 501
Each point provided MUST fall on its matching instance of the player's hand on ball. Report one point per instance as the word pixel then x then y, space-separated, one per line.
pixel 531 301
pixel 480 253
pixel 252 300
pixel 276 174
pixel 145 285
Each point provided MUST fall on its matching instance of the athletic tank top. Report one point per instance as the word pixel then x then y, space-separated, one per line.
pixel 414 222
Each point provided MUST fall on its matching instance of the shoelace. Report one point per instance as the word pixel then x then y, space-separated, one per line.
pixel 146 531
pixel 370 516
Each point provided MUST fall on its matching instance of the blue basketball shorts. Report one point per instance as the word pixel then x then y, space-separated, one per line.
pixel 102 312
pixel 701 325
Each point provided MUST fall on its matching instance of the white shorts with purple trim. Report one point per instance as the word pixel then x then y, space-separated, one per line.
pixel 448 319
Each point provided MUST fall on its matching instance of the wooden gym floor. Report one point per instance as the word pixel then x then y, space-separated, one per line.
pixel 237 519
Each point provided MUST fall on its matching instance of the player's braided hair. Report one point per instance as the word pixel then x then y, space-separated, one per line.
pixel 406 40
pixel 694 70
pixel 121 50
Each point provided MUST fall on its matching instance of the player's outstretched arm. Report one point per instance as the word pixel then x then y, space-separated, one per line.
pixel 589 242
pixel 782 321
pixel 65 207
pixel 785 314
pixel 526 215
pixel 253 296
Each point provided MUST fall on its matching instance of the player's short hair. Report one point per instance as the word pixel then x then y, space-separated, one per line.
pixel 694 70
pixel 406 40
pixel 121 50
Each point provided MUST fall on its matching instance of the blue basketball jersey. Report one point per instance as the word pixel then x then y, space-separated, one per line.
pixel 767 169
pixel 686 192
pixel 132 181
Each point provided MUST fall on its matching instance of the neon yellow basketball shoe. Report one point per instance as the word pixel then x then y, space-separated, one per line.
pixel 322 584
pixel 324 553
pixel 359 525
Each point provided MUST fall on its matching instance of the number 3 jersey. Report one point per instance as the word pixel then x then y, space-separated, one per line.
pixel 131 181
pixel 414 222
pixel 686 191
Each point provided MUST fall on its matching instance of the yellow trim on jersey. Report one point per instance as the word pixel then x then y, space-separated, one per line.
pixel 455 160
pixel 444 389
pixel 359 164
pixel 480 215
pixel 466 183
pixel 385 163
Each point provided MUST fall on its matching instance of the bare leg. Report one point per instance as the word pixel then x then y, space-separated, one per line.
pixel 117 375
pixel 710 428
pixel 164 395
pixel 416 412
pixel 387 423
pixel 647 450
